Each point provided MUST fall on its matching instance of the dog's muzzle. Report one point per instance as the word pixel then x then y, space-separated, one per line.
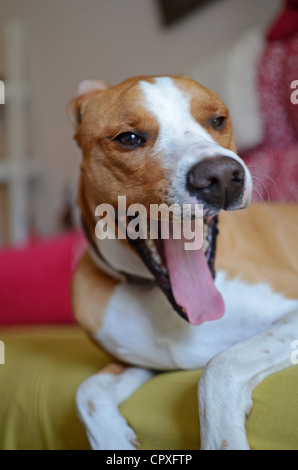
pixel 218 182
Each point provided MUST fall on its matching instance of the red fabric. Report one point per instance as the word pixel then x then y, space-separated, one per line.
pixel 35 280
pixel 286 24
pixel 274 164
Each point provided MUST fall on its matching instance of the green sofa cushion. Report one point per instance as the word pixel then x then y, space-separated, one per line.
pixel 45 365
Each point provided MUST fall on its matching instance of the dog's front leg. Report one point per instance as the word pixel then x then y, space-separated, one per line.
pixel 98 399
pixel 228 380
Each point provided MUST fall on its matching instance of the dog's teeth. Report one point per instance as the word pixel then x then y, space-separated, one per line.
pixel 205 245
pixel 153 249
pixel 156 258
pixel 205 238
pixel 151 245
pixel 155 255
pixel 164 269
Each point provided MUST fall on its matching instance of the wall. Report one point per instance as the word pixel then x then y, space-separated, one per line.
pixel 70 40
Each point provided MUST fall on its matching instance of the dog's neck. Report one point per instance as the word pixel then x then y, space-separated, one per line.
pixel 113 256
pixel 117 260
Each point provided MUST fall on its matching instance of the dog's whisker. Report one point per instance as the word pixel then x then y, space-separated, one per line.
pixel 260 198
pixel 252 164
pixel 259 181
pixel 259 176
pixel 270 179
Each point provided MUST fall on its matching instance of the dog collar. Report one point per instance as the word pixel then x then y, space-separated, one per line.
pixel 105 266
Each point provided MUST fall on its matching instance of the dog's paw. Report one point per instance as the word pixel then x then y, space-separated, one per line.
pixel 112 433
pixel 105 427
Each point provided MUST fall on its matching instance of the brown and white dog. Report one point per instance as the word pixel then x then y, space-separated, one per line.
pixel 150 303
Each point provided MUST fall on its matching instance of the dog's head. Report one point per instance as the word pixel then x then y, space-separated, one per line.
pixel 163 140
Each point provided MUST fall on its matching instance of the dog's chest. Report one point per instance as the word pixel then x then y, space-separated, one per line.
pixel 141 328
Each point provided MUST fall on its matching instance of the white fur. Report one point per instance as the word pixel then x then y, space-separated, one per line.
pixel 182 141
pixel 98 399
pixel 151 335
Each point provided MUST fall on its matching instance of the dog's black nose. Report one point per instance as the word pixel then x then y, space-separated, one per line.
pixel 217 181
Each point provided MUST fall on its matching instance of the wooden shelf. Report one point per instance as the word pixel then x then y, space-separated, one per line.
pixel 26 171
pixel 18 170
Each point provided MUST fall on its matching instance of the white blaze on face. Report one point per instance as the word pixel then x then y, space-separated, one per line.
pixel 177 127
pixel 182 141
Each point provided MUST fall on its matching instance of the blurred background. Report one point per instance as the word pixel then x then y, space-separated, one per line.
pixel 245 50
pixel 47 47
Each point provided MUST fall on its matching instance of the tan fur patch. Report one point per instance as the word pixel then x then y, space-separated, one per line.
pixel 91 292
pixel 114 368
pixel 260 245
pixel 206 104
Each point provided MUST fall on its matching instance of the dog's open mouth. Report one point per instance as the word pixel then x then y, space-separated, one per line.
pixel 186 277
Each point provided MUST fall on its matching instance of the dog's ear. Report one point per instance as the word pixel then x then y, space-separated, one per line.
pixel 87 89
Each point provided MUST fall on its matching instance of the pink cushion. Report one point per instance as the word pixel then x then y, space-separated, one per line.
pixel 35 280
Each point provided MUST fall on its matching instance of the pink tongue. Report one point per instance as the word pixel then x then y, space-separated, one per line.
pixel 192 284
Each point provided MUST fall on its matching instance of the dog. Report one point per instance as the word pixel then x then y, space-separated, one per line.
pixel 153 305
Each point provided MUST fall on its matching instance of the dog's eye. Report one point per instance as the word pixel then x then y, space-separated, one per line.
pixel 130 140
pixel 218 123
